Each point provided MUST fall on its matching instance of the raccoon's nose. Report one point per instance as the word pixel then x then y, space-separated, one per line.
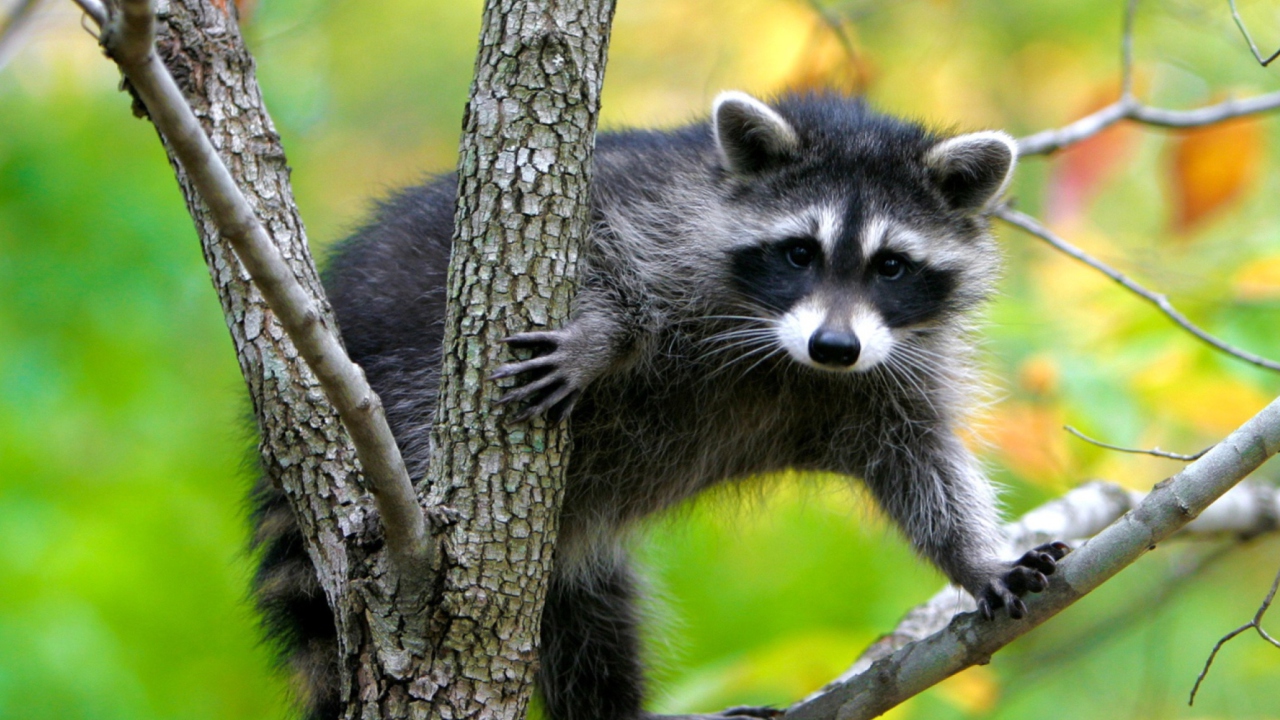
pixel 835 348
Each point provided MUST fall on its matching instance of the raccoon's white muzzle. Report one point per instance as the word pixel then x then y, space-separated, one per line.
pixel 853 341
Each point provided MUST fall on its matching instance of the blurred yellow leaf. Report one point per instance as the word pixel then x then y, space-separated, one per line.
pixel 974 691
pixel 830 61
pixel 1214 405
pixel 1213 166
pixel 1258 280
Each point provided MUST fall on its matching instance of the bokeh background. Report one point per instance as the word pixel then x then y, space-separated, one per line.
pixel 123 568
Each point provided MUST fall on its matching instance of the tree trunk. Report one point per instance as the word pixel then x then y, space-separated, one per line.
pixel 522 215
pixel 462 645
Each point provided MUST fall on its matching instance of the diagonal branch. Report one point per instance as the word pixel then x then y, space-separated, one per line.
pixel 129 38
pixel 1032 226
pixel 1235 15
pixel 969 640
pixel 1246 511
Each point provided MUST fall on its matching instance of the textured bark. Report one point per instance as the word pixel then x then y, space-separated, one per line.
pixel 462 645
pixel 302 444
pixel 522 215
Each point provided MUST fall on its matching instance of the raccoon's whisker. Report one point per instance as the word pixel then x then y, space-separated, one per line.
pixel 756 364
pixel 740 331
pixel 749 318
pixel 906 377
pixel 923 353
pixel 761 348
pixel 730 341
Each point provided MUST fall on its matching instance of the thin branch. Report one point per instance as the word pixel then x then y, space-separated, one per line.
pixel 833 22
pixel 969 640
pixel 1235 14
pixel 1126 51
pixel 94 9
pixel 1049 141
pixel 1255 623
pixel 1153 451
pixel 1160 301
pixel 128 36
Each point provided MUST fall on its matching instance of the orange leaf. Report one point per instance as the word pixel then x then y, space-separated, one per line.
pixel 1030 439
pixel 1212 167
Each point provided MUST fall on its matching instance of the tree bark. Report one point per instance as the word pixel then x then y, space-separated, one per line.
pixel 303 446
pixel 523 211
pixel 464 644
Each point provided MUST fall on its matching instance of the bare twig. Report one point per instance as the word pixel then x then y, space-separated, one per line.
pixel 1128 107
pixel 1153 451
pixel 1032 226
pixel 1048 141
pixel 1126 51
pixel 969 640
pixel 128 35
pixel 1235 14
pixel 833 21
pixel 94 9
pixel 1255 623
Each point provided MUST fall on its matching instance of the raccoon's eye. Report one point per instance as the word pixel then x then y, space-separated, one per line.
pixel 891 267
pixel 800 253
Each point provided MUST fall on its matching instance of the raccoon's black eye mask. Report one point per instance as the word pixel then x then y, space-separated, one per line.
pixel 889 265
pixel 801 252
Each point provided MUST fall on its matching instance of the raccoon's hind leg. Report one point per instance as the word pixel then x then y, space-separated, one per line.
pixel 589 665
pixel 590 657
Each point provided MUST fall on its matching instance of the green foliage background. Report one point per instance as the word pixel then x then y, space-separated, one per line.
pixel 123 568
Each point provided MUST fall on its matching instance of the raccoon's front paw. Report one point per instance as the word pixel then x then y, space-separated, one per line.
pixel 555 374
pixel 1028 574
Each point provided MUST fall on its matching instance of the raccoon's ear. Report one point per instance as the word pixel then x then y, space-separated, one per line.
pixel 751 136
pixel 972 170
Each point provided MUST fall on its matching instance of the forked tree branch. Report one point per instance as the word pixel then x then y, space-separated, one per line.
pixel 1255 624
pixel 1235 15
pixel 1128 107
pixel 1159 300
pixel 969 640
pixel 128 35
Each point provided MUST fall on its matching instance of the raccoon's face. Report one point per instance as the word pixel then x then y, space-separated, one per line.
pixel 863 231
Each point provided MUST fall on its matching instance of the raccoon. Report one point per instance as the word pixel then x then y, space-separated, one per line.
pixel 785 286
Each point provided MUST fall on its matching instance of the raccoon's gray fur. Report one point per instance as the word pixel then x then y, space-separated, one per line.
pixel 785 286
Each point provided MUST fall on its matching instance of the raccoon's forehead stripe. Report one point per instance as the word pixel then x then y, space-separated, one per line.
pixel 821 222
pixel 874 234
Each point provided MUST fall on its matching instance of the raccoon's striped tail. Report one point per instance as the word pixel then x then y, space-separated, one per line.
pixel 295 614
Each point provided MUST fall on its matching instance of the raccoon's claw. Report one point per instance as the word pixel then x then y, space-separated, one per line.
pixel 554 387
pixel 1029 574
